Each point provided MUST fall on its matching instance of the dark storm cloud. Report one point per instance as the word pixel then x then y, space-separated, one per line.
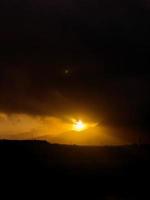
pixel 105 45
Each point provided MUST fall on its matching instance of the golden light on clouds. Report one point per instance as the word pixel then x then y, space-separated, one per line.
pixel 57 130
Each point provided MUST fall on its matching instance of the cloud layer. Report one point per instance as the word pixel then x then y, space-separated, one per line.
pixel 103 45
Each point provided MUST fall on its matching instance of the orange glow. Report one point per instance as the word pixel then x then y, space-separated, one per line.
pixel 79 126
pixel 65 130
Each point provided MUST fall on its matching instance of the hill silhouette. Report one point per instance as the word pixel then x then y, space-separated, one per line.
pixel 117 170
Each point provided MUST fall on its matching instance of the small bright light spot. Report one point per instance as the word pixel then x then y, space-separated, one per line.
pixel 66 71
pixel 79 126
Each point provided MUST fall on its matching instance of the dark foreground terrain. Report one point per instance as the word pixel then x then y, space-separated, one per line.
pixel 69 171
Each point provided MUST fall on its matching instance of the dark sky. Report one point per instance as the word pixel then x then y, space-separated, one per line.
pixel 104 45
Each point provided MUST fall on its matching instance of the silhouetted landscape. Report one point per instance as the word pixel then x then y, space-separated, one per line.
pixel 117 171
pixel 75 99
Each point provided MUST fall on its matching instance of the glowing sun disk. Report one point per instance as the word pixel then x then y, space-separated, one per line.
pixel 79 126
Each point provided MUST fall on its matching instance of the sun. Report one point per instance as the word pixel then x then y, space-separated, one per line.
pixel 79 126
